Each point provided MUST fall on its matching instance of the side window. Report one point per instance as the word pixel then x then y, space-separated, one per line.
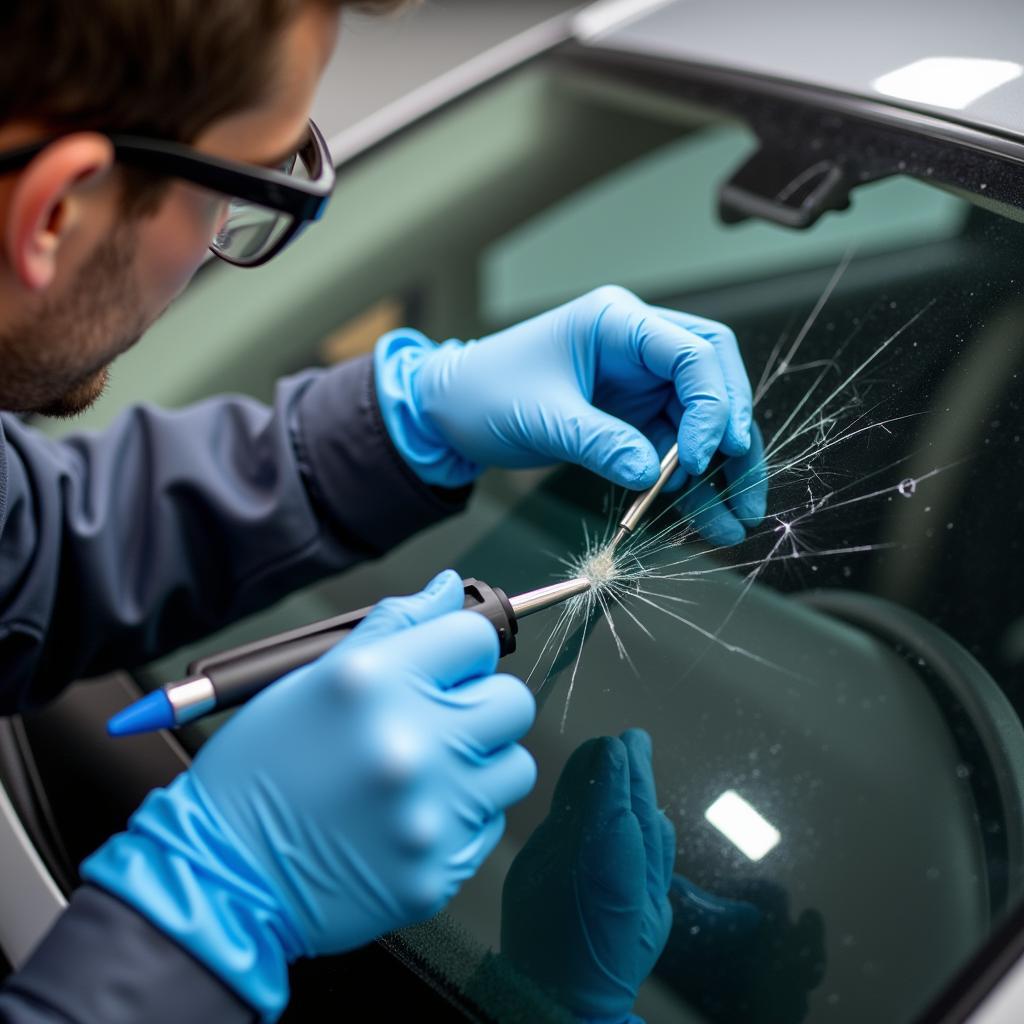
pixel 652 226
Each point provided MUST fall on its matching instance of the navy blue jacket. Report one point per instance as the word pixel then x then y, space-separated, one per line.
pixel 120 546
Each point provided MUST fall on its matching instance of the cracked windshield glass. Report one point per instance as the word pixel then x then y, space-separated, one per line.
pixel 824 704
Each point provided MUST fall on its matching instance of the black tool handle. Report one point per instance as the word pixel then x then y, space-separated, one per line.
pixel 242 672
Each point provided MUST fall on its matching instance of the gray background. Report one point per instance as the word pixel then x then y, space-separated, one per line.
pixel 380 59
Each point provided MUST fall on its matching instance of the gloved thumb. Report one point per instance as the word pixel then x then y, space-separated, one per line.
pixel 603 444
pixel 442 595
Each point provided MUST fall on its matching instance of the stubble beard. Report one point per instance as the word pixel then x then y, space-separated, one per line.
pixel 55 362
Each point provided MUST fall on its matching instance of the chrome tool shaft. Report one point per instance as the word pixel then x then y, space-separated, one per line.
pixel 638 509
pixel 548 597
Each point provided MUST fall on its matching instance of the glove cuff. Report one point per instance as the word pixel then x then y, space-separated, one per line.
pixel 398 360
pixel 178 866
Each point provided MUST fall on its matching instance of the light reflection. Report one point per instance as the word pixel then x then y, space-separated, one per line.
pixel 742 825
pixel 952 82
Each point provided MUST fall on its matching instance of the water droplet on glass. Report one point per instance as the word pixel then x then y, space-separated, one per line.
pixel 963 771
pixel 907 487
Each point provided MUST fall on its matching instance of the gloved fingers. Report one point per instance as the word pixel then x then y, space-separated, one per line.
pixel 496 710
pixel 443 594
pixel 644 802
pixel 461 865
pixel 576 431
pixel 676 355
pixel 663 433
pixel 605 792
pixel 447 651
pixel 612 855
pixel 505 778
pixel 711 517
pixel 747 479
pixel 701 391
pixel 737 381
pixel 691 364
pixel 567 799
pixel 745 485
pixel 482 845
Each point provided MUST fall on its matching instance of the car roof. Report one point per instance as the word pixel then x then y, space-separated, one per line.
pixel 961 61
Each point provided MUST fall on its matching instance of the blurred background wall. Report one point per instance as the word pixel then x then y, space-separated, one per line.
pixel 380 59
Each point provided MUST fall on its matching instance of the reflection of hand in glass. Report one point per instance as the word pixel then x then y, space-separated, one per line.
pixel 585 908
pixel 743 960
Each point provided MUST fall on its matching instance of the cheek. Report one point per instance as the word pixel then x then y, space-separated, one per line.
pixel 174 242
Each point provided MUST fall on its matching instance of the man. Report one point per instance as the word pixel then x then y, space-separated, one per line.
pixel 354 796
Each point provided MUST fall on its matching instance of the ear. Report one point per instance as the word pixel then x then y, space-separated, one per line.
pixel 47 204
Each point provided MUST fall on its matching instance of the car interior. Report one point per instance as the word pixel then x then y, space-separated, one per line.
pixel 852 673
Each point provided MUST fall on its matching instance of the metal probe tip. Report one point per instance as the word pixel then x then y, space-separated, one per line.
pixel 639 508
pixel 548 597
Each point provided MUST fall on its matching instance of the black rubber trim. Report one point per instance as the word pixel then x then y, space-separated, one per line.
pixel 874 139
pixel 21 781
pixel 1004 947
pixel 90 782
pixel 645 68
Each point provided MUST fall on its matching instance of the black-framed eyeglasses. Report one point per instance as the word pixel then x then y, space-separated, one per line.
pixel 268 208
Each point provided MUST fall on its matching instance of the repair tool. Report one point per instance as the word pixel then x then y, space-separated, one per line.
pixel 232 677
pixel 638 509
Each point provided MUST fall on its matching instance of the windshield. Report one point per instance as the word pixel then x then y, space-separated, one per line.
pixel 831 704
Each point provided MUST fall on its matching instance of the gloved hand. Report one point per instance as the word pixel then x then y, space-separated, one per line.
pixel 585 908
pixel 606 381
pixel 351 798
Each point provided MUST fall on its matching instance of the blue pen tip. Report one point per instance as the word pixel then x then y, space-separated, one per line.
pixel 153 712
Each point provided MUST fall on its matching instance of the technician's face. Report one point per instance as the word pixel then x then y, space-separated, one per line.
pixel 118 275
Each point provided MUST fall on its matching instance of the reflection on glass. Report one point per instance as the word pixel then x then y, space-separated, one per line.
pixel 744 958
pixel 592 905
pixel 740 823
pixel 585 908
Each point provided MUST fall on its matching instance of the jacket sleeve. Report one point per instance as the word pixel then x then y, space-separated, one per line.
pixel 120 546
pixel 103 963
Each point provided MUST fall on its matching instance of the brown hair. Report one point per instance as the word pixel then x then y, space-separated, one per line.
pixel 164 68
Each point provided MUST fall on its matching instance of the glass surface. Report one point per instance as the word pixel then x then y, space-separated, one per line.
pixel 833 704
pixel 250 230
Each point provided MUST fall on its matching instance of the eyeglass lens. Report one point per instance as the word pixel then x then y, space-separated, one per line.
pixel 251 231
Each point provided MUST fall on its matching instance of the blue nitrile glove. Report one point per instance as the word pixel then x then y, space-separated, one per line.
pixel 606 381
pixel 349 799
pixel 585 912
